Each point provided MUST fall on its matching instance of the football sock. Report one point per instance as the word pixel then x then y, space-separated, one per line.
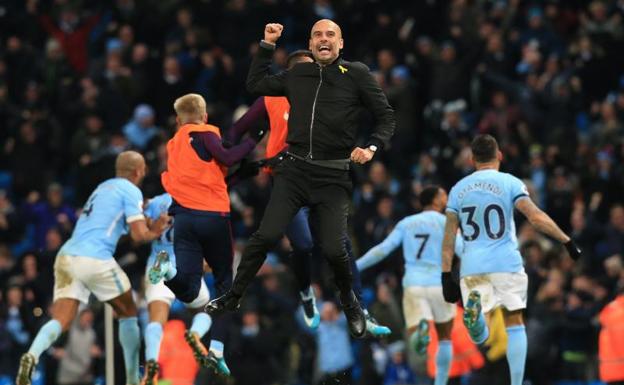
pixel 49 333
pixel 516 352
pixel 153 338
pixel 443 362
pixel 130 339
pixel 201 324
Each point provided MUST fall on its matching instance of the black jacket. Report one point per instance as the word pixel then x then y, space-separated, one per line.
pixel 325 104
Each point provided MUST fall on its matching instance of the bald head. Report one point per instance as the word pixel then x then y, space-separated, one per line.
pixel 326 41
pixel 327 24
pixel 130 165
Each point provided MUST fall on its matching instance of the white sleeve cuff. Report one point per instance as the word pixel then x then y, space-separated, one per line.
pixel 134 218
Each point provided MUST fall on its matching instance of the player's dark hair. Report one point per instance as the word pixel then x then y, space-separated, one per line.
pixel 428 194
pixel 290 60
pixel 484 148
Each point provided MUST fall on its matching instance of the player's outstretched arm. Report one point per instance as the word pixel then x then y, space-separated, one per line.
pixel 382 250
pixel 545 225
pixel 450 288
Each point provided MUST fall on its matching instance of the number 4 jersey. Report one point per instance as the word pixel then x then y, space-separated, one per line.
pixel 484 202
pixel 104 219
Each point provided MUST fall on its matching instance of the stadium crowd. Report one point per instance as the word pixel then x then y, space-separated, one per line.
pixel 81 81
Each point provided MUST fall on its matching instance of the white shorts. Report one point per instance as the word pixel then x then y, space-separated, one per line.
pixel 508 290
pixel 77 277
pixel 426 302
pixel 160 292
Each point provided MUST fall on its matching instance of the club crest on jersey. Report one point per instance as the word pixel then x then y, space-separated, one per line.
pixel 286 115
pixel 342 69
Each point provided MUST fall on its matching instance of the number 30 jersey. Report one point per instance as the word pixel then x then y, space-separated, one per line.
pixel 484 202
pixel 104 219
pixel 421 236
pixel 155 207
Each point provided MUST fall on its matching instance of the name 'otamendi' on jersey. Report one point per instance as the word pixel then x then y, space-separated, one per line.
pixel 484 202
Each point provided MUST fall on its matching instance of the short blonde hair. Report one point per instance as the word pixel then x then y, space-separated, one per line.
pixel 190 107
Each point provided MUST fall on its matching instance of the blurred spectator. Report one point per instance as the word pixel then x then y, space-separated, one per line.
pixel 27 159
pixel 140 131
pixel 36 283
pixel 16 326
pixel 398 371
pixel 6 265
pixel 387 311
pixel 334 358
pixel 500 119
pixel 77 354
pixel 87 146
pixel 169 87
pixel 255 350
pixel 53 212
pixel 11 224
pixel 614 232
pixel 72 33
pixel 608 130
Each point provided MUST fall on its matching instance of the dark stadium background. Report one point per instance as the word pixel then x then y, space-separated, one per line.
pixel 544 77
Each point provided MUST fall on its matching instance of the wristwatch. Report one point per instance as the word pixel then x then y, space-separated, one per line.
pixel 373 148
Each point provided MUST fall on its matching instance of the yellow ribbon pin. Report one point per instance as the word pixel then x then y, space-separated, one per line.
pixel 342 69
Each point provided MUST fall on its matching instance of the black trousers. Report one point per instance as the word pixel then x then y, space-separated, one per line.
pixel 200 236
pixel 327 192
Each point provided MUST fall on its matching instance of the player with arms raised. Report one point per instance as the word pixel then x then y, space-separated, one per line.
pixel 492 274
pixel 421 236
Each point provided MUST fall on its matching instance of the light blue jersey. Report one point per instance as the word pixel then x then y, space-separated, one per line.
pixel 155 207
pixel 484 202
pixel 104 219
pixel 421 236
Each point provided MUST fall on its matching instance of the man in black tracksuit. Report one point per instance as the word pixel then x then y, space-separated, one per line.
pixel 326 99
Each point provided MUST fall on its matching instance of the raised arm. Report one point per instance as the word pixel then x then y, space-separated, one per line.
pixel 259 79
pixel 540 220
pixel 382 250
pixel 256 115
pixel 545 225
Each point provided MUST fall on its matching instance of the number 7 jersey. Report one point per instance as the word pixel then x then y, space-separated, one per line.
pixel 421 236
pixel 484 202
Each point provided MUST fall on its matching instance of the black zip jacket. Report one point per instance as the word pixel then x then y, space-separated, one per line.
pixel 325 104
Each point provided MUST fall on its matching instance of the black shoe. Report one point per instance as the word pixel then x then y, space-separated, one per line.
pixel 356 319
pixel 227 302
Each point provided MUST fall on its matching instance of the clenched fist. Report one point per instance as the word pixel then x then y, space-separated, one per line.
pixel 272 32
pixel 361 155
